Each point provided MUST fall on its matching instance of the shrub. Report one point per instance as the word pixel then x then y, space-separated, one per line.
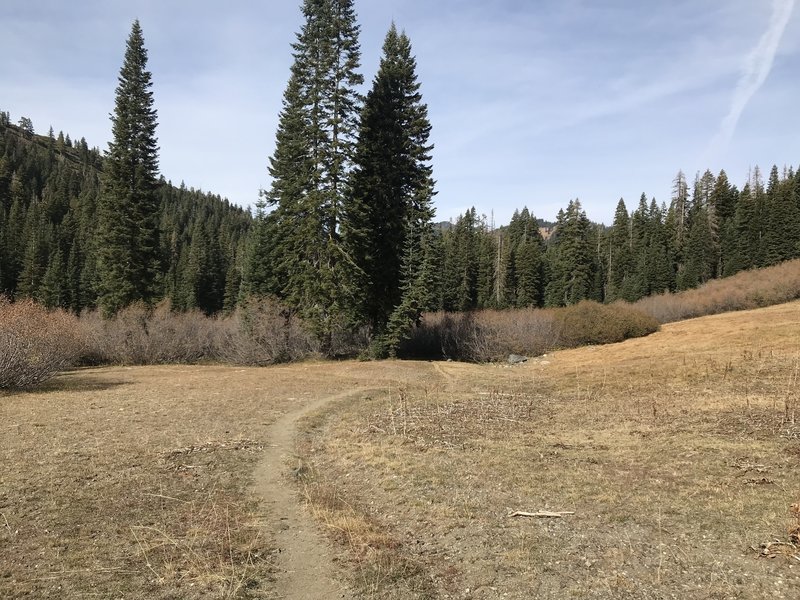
pixel 35 343
pixel 261 332
pixel 743 291
pixel 589 323
pixel 494 334
pixel 140 335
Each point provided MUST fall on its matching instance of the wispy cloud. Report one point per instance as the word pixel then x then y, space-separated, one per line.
pixel 755 70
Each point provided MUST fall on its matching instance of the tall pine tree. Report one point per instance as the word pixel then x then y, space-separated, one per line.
pixel 389 209
pixel 128 253
pixel 312 160
pixel 572 262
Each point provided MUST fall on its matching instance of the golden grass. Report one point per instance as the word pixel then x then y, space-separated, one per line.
pixel 135 482
pixel 678 453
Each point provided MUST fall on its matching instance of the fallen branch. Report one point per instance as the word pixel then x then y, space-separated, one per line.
pixel 542 514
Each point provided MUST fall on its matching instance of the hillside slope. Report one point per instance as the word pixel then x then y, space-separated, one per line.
pixel 675 457
pixel 49 190
pixel 679 455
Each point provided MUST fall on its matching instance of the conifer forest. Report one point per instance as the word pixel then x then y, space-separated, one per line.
pixel 346 237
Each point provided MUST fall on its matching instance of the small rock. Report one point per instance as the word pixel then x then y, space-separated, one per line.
pixel 515 359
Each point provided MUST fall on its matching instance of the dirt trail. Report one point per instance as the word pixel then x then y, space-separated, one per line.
pixel 305 568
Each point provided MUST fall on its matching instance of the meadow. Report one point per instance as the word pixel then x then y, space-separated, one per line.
pixel 672 461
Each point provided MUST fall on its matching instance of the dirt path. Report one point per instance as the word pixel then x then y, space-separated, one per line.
pixel 305 567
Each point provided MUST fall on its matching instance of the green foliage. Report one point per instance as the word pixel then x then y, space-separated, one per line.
pixel 389 208
pixel 49 236
pixel 128 253
pixel 343 237
pixel 314 145
pixel 571 259
pixel 525 274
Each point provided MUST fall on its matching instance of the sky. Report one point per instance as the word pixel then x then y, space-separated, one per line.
pixel 532 103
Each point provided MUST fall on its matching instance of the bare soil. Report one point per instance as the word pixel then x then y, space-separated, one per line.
pixel 678 455
pixel 304 564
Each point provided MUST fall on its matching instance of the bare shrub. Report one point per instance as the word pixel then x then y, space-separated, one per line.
pixel 526 331
pixel 744 291
pixel 35 343
pixel 140 335
pixel 261 332
pixel 589 323
pixel 494 334
pixel 449 335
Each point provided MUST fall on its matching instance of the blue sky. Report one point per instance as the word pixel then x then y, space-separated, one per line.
pixel 533 103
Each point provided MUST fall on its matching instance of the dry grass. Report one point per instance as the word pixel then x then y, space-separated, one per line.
pixel 744 291
pixel 135 482
pixel 678 454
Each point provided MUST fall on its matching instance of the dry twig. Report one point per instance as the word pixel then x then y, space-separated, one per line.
pixel 542 514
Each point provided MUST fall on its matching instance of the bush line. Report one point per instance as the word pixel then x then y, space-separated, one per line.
pixel 36 343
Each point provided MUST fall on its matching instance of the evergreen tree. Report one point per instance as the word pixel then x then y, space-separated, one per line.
pixel 313 155
pixel 701 258
pixel 760 218
pixel 52 292
pixel 487 251
pixel 747 233
pixel 723 200
pixel 572 259
pixel 49 233
pixel 781 232
pixel 642 223
pixel 677 222
pixel 15 239
pixel 529 269
pixel 389 207
pixel 128 258
pixel 620 262
pixel 463 262
pixel 259 272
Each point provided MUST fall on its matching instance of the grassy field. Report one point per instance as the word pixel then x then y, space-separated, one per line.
pixel 677 455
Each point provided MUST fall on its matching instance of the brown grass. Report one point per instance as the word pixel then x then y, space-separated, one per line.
pixel 134 482
pixel 675 452
pixel 678 453
pixel 744 291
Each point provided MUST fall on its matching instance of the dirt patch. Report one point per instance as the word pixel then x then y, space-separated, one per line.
pixel 304 563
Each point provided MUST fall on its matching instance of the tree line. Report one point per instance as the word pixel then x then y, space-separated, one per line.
pixel 344 237
pixel 708 230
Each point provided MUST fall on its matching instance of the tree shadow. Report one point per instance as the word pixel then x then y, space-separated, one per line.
pixel 72 381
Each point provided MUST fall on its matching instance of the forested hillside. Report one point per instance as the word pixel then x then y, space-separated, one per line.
pixel 49 188
pixel 49 193
pixel 709 230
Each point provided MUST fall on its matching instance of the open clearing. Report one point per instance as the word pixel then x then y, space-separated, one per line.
pixel 678 455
